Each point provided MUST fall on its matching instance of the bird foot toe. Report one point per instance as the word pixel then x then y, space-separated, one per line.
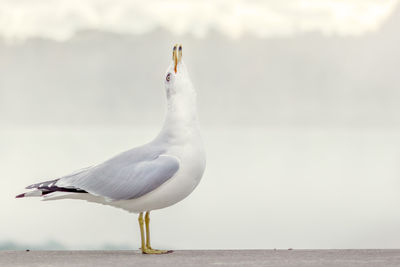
pixel 155 251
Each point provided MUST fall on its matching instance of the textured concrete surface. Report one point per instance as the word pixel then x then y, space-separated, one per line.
pixel 248 258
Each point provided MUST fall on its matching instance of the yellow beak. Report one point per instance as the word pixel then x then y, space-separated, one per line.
pixel 177 55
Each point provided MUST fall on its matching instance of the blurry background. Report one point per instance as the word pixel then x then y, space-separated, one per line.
pixel 299 106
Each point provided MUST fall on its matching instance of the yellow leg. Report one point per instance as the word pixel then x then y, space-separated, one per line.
pixel 147 220
pixel 140 219
pixel 146 247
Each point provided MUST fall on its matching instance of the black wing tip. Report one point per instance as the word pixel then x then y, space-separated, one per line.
pixel 32 186
pixel 49 187
pixel 42 184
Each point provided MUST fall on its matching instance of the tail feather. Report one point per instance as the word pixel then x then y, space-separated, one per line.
pixel 34 193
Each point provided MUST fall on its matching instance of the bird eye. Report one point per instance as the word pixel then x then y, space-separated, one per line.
pixel 168 77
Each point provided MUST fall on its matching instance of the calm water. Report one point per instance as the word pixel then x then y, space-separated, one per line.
pixel 263 188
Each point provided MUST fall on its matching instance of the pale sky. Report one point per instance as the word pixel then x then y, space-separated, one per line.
pixel 296 185
pixel 60 19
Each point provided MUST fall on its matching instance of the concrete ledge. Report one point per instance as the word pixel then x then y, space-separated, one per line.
pixel 286 258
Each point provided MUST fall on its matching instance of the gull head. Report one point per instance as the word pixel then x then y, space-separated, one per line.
pixel 176 78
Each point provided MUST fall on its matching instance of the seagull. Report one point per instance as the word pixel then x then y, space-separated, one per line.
pixel 149 177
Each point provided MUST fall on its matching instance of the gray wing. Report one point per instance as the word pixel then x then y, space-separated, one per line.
pixel 127 176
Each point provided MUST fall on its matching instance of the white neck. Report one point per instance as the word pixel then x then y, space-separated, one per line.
pixel 181 120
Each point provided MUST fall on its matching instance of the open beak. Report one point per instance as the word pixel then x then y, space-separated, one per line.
pixel 177 55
